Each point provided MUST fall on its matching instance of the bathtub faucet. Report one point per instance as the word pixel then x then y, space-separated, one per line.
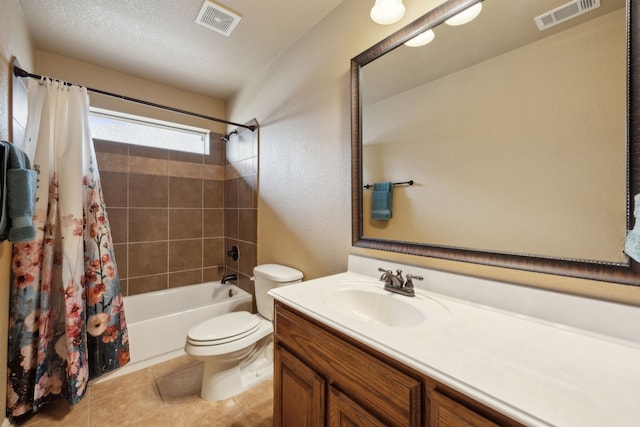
pixel 228 277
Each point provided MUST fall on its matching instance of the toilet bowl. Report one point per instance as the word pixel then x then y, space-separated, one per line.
pixel 237 347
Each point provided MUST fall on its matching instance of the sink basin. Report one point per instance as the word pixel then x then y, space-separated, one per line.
pixel 376 307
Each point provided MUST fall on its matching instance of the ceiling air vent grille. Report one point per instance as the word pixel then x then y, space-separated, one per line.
pixel 565 12
pixel 217 18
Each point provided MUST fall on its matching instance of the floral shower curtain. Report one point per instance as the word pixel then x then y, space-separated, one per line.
pixel 67 322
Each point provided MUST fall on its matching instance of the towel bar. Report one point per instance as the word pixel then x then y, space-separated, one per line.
pixel 410 182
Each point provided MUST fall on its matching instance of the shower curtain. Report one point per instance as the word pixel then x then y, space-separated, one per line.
pixel 67 322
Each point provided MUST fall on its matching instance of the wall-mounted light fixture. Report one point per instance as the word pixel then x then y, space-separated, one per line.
pixel 387 12
pixel 467 15
pixel 421 39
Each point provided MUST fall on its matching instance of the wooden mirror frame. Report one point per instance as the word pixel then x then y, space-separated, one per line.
pixel 623 273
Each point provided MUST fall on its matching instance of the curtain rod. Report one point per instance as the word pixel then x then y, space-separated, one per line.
pixel 19 72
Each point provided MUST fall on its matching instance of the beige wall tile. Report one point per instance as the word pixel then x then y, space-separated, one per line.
pixel 115 188
pixel 247 225
pixel 142 165
pixel 185 223
pixel 231 172
pixel 148 191
pixel 213 193
pixel 185 254
pixel 109 162
pixel 213 274
pixel 213 252
pixel 213 172
pixel 184 169
pixel 118 223
pixel 147 258
pixel 141 285
pixel 185 278
pixel 185 192
pixel 231 223
pixel 148 224
pixel 213 223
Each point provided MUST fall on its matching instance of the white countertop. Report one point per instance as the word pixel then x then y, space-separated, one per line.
pixel 535 371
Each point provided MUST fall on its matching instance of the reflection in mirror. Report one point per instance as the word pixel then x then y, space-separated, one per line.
pixel 516 139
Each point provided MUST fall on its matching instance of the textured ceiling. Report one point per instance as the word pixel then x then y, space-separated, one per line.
pixel 159 40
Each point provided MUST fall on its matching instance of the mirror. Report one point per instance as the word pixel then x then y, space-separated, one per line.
pixel 521 143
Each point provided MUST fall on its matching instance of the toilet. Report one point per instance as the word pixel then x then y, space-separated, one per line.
pixel 237 347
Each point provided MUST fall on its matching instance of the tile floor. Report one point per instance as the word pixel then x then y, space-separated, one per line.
pixel 161 395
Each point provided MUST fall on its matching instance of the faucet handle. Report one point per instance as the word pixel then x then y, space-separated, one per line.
pixel 386 274
pixel 410 277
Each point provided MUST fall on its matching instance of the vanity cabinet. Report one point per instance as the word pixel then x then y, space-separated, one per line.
pixel 325 378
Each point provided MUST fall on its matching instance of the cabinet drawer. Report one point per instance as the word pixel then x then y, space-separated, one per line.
pixel 391 395
pixel 449 413
pixel 344 412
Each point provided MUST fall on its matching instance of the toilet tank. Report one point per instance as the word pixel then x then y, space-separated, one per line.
pixel 267 277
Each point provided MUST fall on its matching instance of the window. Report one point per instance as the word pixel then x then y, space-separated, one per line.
pixel 129 129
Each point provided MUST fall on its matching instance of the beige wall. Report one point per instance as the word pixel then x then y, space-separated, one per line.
pixel 14 42
pixel 71 70
pixel 302 104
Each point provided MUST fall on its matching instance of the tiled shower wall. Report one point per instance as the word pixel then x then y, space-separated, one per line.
pixel 241 205
pixel 174 215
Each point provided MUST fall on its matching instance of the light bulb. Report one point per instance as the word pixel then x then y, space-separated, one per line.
pixel 421 39
pixel 465 16
pixel 387 12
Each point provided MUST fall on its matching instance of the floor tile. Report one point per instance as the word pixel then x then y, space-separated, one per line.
pixel 173 365
pixel 180 385
pixel 166 394
pixel 194 411
pixel 128 404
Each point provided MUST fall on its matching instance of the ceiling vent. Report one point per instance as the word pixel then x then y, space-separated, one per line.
pixel 565 12
pixel 217 18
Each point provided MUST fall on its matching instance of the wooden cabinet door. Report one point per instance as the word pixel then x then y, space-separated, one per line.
pixel 344 412
pixel 299 392
pixel 449 413
pixel 385 390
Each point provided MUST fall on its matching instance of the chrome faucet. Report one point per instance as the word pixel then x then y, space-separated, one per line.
pixel 396 283
pixel 228 277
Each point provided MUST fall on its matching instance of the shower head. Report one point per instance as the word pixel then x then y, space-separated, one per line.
pixel 227 137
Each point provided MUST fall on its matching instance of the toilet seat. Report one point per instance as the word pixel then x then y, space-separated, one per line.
pixel 223 329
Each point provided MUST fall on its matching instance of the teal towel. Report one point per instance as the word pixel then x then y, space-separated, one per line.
pixel 18 196
pixel 382 200
pixel 21 185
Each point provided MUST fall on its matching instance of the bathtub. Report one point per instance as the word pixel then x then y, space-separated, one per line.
pixel 158 321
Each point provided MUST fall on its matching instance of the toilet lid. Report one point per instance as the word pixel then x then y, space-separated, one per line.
pixel 224 328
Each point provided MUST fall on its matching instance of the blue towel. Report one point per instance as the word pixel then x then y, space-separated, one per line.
pixel 18 196
pixel 382 200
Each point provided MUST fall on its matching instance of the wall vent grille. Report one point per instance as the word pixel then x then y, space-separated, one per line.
pixel 217 18
pixel 565 12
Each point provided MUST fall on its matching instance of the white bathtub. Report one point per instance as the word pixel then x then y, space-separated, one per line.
pixel 158 321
